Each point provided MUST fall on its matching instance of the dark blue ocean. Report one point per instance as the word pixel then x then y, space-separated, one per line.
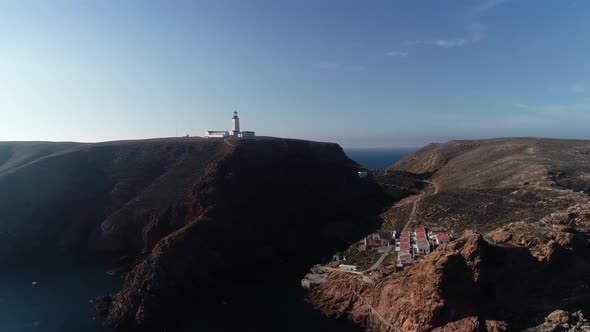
pixel 58 302
pixel 52 295
pixel 377 158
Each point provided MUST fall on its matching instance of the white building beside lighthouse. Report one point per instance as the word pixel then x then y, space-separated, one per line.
pixel 235 130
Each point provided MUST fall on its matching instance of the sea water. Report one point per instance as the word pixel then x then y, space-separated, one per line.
pixel 377 158
pixel 53 294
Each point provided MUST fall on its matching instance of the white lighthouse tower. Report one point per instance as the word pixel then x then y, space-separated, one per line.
pixel 235 128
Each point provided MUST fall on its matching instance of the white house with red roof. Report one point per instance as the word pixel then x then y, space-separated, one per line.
pixel 442 238
pixel 404 248
pixel 401 241
pixel 420 230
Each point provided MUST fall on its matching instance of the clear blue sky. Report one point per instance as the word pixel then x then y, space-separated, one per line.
pixel 360 73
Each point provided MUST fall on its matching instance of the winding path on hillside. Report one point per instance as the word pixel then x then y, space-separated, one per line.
pixel 378 263
pixel 410 220
pixel 228 142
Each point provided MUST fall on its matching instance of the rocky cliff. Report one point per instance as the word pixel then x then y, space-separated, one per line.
pixel 525 251
pixel 195 213
pixel 470 283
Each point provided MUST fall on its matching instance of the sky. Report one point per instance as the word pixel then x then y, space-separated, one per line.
pixel 360 73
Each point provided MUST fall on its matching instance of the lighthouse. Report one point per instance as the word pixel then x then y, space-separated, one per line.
pixel 235 130
pixel 235 124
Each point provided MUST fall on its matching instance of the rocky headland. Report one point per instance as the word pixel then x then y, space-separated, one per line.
pixel 190 215
pixel 523 209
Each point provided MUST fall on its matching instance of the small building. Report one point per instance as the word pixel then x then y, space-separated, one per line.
pixel 422 247
pixel 347 267
pixel 373 243
pixel 442 238
pixel 243 134
pixel 307 284
pixel 362 174
pixel 404 259
pixel 217 134
pixel 339 256
pixel 435 230
pixel 362 245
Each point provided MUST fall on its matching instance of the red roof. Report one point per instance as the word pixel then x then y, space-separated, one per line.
pixel 420 230
pixel 404 247
pixel 404 239
pixel 420 236
pixel 404 256
pixel 423 244
pixel 442 236
pixel 405 234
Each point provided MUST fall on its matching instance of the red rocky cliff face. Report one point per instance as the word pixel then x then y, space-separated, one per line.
pixel 264 200
pixel 472 283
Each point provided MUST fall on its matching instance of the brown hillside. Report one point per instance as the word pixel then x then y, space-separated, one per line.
pixel 505 162
pixel 58 199
pixel 16 154
pixel 487 183
pixel 530 195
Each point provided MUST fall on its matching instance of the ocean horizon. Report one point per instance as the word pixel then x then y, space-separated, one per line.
pixel 377 158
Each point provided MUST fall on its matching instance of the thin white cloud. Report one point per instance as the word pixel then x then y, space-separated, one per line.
pixel 578 88
pixel 477 33
pixel 396 54
pixel 489 4
pixel 446 43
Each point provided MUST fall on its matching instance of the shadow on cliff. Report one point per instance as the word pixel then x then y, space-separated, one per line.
pixel 515 287
pixel 264 203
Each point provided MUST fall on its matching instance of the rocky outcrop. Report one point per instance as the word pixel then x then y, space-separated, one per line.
pixel 561 320
pixel 470 283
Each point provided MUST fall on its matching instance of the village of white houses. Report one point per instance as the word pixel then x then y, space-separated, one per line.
pixel 392 249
